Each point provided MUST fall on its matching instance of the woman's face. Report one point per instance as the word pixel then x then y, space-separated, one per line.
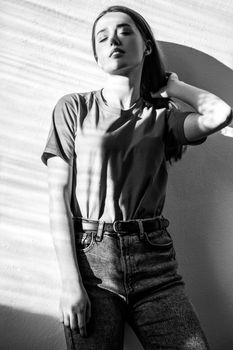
pixel 119 45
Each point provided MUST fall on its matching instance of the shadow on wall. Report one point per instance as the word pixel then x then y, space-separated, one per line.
pixel 29 331
pixel 201 188
pixel 199 69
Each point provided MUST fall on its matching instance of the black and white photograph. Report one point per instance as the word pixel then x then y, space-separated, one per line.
pixel 116 175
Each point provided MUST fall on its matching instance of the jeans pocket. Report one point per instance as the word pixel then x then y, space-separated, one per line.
pixel 84 241
pixel 159 239
pixel 161 243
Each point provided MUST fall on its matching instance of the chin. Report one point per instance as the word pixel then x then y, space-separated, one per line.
pixel 122 69
pixel 114 69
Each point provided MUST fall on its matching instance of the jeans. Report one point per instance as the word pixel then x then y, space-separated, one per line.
pixel 133 277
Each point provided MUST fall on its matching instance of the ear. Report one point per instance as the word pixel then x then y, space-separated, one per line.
pixel 148 49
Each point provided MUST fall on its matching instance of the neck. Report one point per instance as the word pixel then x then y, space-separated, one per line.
pixel 122 91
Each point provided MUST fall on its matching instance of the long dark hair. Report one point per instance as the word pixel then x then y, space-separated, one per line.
pixel 154 75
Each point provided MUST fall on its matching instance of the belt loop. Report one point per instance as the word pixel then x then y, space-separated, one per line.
pixel 100 230
pixel 141 228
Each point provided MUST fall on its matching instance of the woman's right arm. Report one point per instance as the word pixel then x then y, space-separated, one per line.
pixel 75 305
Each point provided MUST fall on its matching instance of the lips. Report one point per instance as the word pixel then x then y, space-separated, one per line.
pixel 116 50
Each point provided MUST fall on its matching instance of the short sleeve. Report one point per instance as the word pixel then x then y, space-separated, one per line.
pixel 175 135
pixel 61 136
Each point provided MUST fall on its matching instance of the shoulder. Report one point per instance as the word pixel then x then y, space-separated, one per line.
pixel 74 105
pixel 75 98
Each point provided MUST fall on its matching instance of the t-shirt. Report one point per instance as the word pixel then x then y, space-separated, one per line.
pixel 118 156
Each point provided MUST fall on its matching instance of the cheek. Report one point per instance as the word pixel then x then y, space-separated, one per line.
pixel 101 61
pixel 136 48
pixel 101 54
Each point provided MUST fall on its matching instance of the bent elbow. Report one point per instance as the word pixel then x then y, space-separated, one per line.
pixel 229 117
pixel 217 119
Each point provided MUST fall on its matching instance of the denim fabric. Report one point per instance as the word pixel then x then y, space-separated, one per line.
pixel 134 278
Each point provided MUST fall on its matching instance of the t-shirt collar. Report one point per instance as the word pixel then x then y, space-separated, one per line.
pixel 136 106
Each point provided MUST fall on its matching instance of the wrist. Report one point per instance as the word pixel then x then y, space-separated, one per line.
pixel 174 89
pixel 70 274
pixel 69 282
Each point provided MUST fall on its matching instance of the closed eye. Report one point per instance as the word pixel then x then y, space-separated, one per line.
pixel 102 39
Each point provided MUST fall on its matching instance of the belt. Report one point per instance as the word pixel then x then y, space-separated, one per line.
pixel 137 225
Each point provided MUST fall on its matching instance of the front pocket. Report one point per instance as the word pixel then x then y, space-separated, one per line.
pixel 159 239
pixel 84 241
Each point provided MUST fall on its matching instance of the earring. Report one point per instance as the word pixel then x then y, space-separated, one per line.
pixel 147 52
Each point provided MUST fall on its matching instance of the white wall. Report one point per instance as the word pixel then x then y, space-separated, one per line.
pixel 45 52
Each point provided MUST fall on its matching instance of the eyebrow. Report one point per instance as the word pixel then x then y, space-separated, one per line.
pixel 118 26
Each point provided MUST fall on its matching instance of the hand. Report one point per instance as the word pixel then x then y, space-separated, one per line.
pixel 166 91
pixel 75 307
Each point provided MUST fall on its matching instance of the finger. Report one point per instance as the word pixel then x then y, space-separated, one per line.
pixel 82 324
pixel 158 94
pixel 61 318
pixel 73 321
pixel 155 94
pixel 66 320
pixel 173 76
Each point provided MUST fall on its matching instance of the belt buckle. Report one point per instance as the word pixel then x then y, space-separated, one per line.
pixel 116 225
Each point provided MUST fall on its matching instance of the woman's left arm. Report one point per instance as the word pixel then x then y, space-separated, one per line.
pixel 212 114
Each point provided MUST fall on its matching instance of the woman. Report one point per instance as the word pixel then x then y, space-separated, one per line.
pixel 106 153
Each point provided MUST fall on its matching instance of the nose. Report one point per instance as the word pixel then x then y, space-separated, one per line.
pixel 114 40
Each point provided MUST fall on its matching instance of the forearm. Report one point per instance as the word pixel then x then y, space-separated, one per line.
pixel 63 238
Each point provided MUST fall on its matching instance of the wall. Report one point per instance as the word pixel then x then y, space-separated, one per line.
pixel 45 52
